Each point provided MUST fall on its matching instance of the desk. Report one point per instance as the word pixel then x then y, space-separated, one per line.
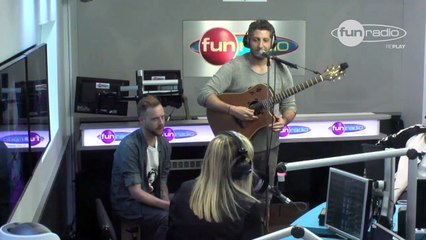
pixel 304 128
pixel 310 221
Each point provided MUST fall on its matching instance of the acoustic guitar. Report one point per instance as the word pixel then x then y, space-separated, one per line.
pixel 256 98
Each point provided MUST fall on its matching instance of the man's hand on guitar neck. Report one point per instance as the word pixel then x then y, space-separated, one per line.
pixel 279 124
pixel 242 113
pixel 282 121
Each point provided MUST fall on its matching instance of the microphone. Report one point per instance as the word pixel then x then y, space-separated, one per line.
pixel 279 60
pixel 276 192
pixel 281 173
pixel 262 185
pixel 281 167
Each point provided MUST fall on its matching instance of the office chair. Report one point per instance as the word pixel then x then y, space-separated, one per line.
pixel 129 229
pixel 107 229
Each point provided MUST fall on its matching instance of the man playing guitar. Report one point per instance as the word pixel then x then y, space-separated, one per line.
pixel 242 73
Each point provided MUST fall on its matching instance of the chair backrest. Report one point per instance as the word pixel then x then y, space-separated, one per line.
pixel 104 221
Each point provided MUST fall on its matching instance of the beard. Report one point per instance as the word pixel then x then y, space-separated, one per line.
pixel 257 55
pixel 158 131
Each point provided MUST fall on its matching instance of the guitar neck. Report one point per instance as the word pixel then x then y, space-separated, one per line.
pixel 292 91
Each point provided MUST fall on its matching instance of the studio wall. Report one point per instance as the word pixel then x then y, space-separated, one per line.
pixel 115 38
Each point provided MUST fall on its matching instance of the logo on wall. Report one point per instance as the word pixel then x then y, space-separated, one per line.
pixel 107 136
pixel 169 134
pixel 339 128
pixel 351 33
pixel 294 129
pixel 285 131
pixel 218 45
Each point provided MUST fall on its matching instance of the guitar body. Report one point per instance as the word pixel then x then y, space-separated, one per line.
pixel 220 121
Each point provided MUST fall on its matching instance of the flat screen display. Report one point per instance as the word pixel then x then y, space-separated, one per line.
pixel 100 96
pixel 421 204
pixel 348 204
pixel 12 159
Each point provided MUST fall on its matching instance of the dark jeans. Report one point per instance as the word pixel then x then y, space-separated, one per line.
pixel 261 164
pixel 155 219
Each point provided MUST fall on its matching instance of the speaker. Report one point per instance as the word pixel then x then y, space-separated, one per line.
pixel 241 167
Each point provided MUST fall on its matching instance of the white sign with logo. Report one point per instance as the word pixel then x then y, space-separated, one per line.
pixel 207 45
pixel 351 33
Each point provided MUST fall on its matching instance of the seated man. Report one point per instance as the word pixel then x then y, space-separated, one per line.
pixel 140 170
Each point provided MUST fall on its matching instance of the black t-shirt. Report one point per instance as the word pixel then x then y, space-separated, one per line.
pixel 184 224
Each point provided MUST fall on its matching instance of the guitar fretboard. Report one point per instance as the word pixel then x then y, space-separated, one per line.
pixel 267 103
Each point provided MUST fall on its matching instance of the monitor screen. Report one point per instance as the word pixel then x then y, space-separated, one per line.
pixel 421 204
pixel 100 96
pixel 11 175
pixel 11 73
pixel 35 101
pixel 348 204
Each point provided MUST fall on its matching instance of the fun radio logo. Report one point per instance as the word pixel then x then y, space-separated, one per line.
pixel 169 134
pixel 107 136
pixel 339 128
pixel 185 133
pixel 299 129
pixel 351 33
pixel 34 139
pixel 285 132
pixel 294 130
pixel 219 45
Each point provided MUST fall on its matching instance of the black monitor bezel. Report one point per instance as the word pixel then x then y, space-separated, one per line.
pixel 115 102
pixel 421 203
pixel 366 203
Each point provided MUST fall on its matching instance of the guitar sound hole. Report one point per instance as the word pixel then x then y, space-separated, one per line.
pixel 257 107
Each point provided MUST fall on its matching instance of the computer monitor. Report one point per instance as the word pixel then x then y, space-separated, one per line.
pixel 35 97
pixel 12 161
pixel 421 204
pixel 348 204
pixel 100 96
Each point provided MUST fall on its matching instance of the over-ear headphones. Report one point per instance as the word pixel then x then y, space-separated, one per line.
pixel 260 24
pixel 241 167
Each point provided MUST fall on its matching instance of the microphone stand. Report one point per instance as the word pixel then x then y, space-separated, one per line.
pixel 293 65
pixel 268 147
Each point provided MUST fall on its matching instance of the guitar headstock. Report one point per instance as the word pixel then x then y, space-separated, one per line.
pixel 335 72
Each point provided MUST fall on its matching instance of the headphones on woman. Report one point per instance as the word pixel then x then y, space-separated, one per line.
pixel 241 167
pixel 260 24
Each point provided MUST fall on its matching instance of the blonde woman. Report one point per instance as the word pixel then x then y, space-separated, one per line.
pixel 218 204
